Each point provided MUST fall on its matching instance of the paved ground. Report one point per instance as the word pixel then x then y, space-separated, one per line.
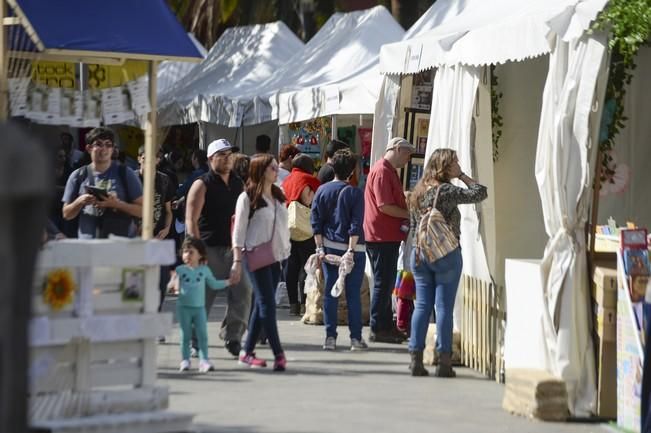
pixel 335 392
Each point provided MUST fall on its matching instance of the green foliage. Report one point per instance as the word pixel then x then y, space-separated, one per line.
pixel 496 118
pixel 629 24
pixel 227 8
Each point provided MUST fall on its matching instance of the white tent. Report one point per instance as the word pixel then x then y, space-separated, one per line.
pixel 169 72
pixel 475 34
pixel 337 73
pixel 241 59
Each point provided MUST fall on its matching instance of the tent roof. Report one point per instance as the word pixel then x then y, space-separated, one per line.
pixel 134 29
pixel 477 32
pixel 236 65
pixel 343 57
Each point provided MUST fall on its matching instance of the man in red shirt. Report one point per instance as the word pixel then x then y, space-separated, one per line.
pixel 386 222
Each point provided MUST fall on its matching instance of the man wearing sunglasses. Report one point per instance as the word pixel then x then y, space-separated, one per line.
pixel 104 194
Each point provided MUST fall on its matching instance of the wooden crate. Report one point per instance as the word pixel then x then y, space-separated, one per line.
pixel 93 362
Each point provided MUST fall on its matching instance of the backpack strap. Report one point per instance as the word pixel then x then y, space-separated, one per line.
pixel 122 172
pixel 426 214
pixel 81 177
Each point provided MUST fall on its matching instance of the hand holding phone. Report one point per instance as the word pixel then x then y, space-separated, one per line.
pixel 98 193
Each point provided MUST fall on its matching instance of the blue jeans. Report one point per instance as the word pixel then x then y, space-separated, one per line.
pixel 352 292
pixel 264 282
pixel 436 286
pixel 384 261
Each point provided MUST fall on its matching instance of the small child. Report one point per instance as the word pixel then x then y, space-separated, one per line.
pixel 190 283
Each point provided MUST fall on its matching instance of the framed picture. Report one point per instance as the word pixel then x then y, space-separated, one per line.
pixel 133 284
pixel 415 169
pixel 421 145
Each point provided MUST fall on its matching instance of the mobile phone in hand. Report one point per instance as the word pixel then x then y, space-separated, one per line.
pixel 99 193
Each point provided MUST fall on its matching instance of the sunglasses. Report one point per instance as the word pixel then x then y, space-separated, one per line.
pixel 103 143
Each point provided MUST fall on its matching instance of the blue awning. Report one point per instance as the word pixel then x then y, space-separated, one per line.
pixel 132 28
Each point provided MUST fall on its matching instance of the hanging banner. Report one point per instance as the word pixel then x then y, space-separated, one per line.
pixel 66 75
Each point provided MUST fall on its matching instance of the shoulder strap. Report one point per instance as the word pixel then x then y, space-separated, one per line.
pixel 81 176
pixel 122 172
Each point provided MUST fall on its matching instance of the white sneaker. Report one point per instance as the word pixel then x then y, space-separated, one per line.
pixel 330 343
pixel 205 366
pixel 358 345
pixel 185 365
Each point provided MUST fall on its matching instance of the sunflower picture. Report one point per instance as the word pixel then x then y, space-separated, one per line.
pixel 59 289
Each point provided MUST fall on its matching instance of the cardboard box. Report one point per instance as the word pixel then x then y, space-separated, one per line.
pixel 606 378
pixel 605 320
pixel 604 288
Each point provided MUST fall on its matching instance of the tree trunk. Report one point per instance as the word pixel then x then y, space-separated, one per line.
pixel 405 12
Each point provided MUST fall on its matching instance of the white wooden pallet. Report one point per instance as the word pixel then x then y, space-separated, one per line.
pixel 93 363
pixel 142 422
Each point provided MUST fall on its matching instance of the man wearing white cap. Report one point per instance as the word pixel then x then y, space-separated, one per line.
pixel 210 207
pixel 385 226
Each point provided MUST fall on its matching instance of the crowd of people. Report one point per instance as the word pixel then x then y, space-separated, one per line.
pixel 234 234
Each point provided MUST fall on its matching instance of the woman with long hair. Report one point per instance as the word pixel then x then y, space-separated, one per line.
pixel 337 216
pixel 261 217
pixel 437 281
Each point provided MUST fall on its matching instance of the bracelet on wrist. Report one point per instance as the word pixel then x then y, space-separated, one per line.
pixel 237 261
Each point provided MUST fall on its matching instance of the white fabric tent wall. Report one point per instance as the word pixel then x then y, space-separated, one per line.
pixel 337 73
pixel 241 59
pixel 563 172
pixel 450 126
pixel 385 116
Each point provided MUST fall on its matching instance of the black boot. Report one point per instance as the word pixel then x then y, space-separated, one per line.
pixel 416 366
pixel 294 309
pixel 444 369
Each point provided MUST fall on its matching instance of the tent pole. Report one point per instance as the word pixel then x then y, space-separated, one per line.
pixel 594 215
pixel 4 80
pixel 150 158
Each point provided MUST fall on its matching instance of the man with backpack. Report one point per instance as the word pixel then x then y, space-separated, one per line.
pixel 105 194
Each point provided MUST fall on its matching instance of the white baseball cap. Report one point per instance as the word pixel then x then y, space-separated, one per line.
pixel 397 142
pixel 219 146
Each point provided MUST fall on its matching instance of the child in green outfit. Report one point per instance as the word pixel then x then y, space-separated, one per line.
pixel 190 283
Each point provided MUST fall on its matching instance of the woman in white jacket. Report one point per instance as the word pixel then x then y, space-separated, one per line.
pixel 260 218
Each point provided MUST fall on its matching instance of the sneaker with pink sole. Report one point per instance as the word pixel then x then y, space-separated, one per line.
pixel 249 359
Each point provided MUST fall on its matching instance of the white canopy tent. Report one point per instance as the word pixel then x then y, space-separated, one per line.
pixel 472 35
pixel 337 73
pixel 169 72
pixel 241 59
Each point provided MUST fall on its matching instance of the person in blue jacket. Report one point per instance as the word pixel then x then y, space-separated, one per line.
pixel 336 218
pixel 190 283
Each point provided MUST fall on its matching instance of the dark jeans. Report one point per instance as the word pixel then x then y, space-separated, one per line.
pixel 353 287
pixel 162 284
pixel 301 251
pixel 264 282
pixel 384 261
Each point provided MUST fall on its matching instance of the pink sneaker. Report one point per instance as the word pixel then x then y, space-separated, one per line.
pixel 280 364
pixel 250 360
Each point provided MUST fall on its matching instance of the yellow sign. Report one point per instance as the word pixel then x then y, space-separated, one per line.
pixel 63 74
pixel 54 74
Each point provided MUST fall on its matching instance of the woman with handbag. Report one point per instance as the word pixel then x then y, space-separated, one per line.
pixel 260 243
pixel 436 258
pixel 300 187
pixel 337 216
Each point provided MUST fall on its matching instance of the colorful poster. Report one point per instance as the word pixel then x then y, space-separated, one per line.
pixel 365 139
